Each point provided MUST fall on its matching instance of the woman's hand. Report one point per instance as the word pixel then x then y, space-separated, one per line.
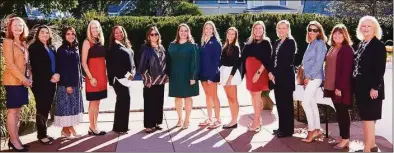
pixel 55 78
pixel 69 90
pixel 192 82
pixel 93 82
pixel 374 94
pixel 306 81
pixel 338 92
pixel 271 77
pixel 27 83
pixel 255 78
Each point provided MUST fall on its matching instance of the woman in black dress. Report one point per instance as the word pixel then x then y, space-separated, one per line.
pixel 120 65
pixel 369 69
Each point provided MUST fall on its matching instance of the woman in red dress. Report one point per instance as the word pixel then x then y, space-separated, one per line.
pixel 93 62
pixel 255 60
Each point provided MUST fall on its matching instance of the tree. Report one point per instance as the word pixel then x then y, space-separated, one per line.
pixel 361 7
pixel 46 6
pixel 186 8
pixel 155 7
pixel 92 5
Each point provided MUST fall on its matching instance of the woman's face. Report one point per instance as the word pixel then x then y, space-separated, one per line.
pixel 231 35
pixel 70 37
pixel 208 30
pixel 183 32
pixel 313 32
pixel 17 27
pixel 338 37
pixel 258 31
pixel 43 35
pixel 118 34
pixel 366 28
pixel 282 30
pixel 154 36
pixel 95 30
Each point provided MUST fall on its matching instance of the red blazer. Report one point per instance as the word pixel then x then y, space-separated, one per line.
pixel 343 75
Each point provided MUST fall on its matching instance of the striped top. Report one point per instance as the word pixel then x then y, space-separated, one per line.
pixel 160 79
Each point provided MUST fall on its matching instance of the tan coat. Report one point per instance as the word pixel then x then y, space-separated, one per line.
pixel 15 63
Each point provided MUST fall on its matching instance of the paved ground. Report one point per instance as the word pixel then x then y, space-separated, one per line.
pixel 195 139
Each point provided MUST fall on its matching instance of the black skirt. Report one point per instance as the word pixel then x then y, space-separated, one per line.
pixel 368 108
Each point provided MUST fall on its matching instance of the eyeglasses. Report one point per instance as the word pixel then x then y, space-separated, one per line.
pixel 314 30
pixel 68 34
pixel 154 34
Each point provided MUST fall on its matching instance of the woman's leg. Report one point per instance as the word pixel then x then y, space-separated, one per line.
pixel 369 135
pixel 343 118
pixel 122 107
pixel 160 104
pixel 258 101
pixel 12 126
pixel 179 108
pixel 93 114
pixel 216 103
pixel 311 110
pixel 208 98
pixel 188 108
pixel 231 92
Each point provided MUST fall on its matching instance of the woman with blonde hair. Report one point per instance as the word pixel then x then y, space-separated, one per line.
pixel 282 76
pixel 368 74
pixel 209 71
pixel 256 66
pixel 153 67
pixel 120 65
pixel 183 61
pixel 16 78
pixel 313 71
pixel 230 76
pixel 93 63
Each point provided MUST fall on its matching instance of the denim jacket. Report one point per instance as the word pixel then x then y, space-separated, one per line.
pixel 313 59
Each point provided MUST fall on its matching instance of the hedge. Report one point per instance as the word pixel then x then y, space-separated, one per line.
pixel 136 27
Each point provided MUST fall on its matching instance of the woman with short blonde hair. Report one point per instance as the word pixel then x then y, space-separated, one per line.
pixel 368 74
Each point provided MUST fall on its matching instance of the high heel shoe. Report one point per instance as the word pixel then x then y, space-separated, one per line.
pixel 185 125
pixel 91 132
pixel 336 147
pixel 10 145
pixel 179 124
pixel 311 140
pixel 68 137
pixel 257 129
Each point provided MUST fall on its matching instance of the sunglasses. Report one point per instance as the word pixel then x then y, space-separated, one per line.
pixel 154 34
pixel 314 30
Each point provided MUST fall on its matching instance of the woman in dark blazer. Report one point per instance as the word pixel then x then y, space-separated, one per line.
pixel 282 76
pixel 153 68
pixel 338 78
pixel 120 65
pixel 369 69
pixel 43 66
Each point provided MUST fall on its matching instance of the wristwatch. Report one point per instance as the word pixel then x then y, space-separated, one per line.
pixel 258 72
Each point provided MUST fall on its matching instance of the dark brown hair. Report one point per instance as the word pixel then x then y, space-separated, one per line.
pixel 125 40
pixel 341 28
pixel 64 33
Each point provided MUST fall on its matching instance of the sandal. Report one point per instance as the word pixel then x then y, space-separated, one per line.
pixel 185 125
pixel 205 123
pixel 215 125
pixel 179 124
pixel 257 129
pixel 49 142
pixel 149 130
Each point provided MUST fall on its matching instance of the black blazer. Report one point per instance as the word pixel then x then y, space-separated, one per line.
pixel 284 70
pixel 120 60
pixel 150 61
pixel 40 63
pixel 372 67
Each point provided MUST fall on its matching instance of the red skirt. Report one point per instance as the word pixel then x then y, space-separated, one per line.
pixel 98 70
pixel 252 65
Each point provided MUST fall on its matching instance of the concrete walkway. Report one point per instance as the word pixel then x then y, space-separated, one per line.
pixel 195 139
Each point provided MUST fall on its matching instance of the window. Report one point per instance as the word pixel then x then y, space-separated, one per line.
pixel 239 1
pixel 282 2
pixel 302 2
pixel 222 1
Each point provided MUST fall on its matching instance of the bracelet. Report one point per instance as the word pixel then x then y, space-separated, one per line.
pixel 258 72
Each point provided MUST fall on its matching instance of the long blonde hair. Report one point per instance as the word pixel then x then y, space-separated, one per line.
pixel 25 32
pixel 376 27
pixel 89 33
pixel 264 36
pixel 215 32
pixel 189 35
pixel 227 42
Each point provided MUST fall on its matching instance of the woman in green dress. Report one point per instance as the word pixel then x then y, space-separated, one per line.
pixel 183 71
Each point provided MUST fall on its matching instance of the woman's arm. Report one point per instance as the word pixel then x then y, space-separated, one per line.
pixel 85 52
pixel 344 67
pixel 379 65
pixel 61 66
pixel 217 50
pixel 321 51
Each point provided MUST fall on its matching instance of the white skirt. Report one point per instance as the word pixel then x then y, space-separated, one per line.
pixel 225 72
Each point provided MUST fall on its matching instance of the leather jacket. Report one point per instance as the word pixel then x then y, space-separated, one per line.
pixel 150 61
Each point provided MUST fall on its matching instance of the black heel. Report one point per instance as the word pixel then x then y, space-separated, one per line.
pixel 90 132
pixel 10 145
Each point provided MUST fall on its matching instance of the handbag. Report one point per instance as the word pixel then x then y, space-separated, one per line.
pixel 300 75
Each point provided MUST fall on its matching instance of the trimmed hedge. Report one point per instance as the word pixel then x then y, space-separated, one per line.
pixel 136 27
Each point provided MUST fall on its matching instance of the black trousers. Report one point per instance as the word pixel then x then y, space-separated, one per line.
pixel 284 104
pixel 122 108
pixel 153 105
pixel 343 118
pixel 43 94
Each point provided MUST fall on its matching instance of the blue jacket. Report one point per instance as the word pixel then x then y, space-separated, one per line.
pixel 210 59
pixel 313 59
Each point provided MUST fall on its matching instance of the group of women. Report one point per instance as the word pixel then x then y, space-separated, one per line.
pixel 55 75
